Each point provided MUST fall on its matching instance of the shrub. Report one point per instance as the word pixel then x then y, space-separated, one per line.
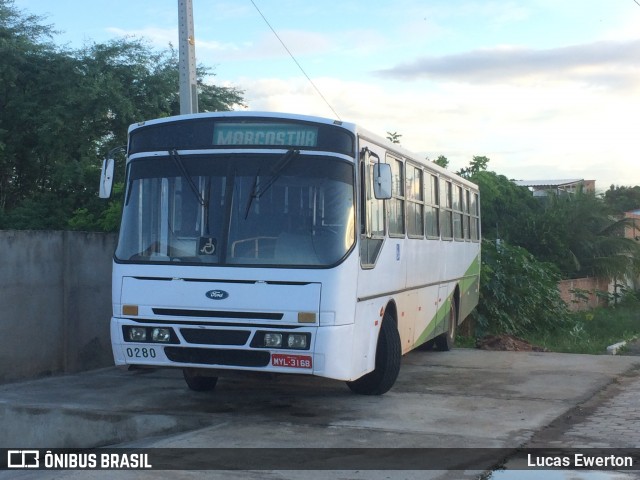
pixel 518 294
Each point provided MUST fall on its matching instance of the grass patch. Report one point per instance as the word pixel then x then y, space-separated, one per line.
pixel 591 332
pixel 464 341
pixel 584 332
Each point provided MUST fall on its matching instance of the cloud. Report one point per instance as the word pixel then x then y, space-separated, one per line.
pixel 299 42
pixel 162 37
pixel 605 64
pixel 554 132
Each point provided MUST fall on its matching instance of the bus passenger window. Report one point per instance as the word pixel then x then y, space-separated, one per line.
pixel 396 204
pixel 467 216
pixel 415 202
pixel 432 210
pixel 445 213
pixel 457 213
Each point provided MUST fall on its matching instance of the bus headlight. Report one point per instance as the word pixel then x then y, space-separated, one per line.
pixel 161 335
pixel 282 340
pixel 273 340
pixel 297 340
pixel 137 334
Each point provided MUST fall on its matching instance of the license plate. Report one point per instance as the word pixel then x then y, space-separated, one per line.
pixel 292 361
pixel 141 352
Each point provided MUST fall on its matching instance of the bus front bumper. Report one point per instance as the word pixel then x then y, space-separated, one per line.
pixel 311 350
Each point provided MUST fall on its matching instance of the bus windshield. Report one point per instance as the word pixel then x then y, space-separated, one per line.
pixel 238 209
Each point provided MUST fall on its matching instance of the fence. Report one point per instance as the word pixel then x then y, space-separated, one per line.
pixel 55 302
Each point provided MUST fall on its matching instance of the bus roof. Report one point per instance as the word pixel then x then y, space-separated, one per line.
pixel 246 114
pixel 352 127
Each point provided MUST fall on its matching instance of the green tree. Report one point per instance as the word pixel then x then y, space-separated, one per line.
pixel 28 60
pixel 578 233
pixel 477 164
pixel 63 110
pixel 393 137
pixel 509 212
pixel 622 199
pixel 442 161
pixel 542 240
pixel 518 293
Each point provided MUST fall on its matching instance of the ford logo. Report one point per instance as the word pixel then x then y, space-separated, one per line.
pixel 217 294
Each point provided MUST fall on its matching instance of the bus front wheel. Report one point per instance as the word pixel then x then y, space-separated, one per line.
pixel 198 383
pixel 388 358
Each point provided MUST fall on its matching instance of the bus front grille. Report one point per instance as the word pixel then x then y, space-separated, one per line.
pixel 212 356
pixel 215 337
pixel 182 312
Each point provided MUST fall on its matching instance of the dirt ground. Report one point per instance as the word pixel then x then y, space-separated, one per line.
pixel 514 344
pixel 632 348
pixel 506 343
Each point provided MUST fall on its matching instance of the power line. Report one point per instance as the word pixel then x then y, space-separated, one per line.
pixel 637 2
pixel 296 61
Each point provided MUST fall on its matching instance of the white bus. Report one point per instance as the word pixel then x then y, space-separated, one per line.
pixel 287 244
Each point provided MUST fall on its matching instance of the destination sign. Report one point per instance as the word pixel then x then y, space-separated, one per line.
pixel 268 134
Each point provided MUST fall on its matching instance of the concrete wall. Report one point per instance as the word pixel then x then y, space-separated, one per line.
pixel 55 302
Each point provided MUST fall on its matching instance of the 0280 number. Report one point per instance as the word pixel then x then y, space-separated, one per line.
pixel 141 352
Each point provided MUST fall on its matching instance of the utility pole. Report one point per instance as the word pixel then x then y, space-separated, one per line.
pixel 187 59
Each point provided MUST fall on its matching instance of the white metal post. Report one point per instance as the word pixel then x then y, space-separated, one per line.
pixel 187 59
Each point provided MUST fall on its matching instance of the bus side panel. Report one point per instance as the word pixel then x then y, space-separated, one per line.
pixel 334 355
pixel 425 269
pixel 387 276
pixel 346 352
pixel 463 270
pixel 368 322
pixel 470 288
pixel 427 321
pixel 346 333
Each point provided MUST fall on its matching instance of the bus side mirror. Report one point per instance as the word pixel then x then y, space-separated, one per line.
pixel 106 177
pixel 382 181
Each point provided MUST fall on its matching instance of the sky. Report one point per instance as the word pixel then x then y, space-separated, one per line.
pixel 546 89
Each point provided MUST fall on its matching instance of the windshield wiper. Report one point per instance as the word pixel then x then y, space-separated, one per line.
pixel 185 174
pixel 259 189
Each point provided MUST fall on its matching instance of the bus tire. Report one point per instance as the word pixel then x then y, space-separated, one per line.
pixel 428 345
pixel 445 341
pixel 198 383
pixel 388 358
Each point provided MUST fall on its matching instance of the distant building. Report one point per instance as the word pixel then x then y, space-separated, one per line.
pixel 633 230
pixel 542 188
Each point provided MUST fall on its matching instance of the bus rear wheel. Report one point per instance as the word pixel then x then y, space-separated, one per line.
pixel 388 358
pixel 445 341
pixel 198 383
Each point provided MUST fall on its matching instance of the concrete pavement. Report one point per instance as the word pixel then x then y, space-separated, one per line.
pixel 457 399
pixel 610 419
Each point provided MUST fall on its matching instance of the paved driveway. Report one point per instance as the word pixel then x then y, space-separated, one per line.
pixel 464 398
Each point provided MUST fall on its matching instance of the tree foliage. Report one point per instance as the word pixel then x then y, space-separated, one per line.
pixel 518 294
pixel 579 234
pixel 509 212
pixel 393 137
pixel 478 164
pixel 533 242
pixel 622 199
pixel 62 110
pixel 442 161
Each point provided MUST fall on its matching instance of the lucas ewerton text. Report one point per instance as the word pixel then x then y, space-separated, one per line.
pixel 579 460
